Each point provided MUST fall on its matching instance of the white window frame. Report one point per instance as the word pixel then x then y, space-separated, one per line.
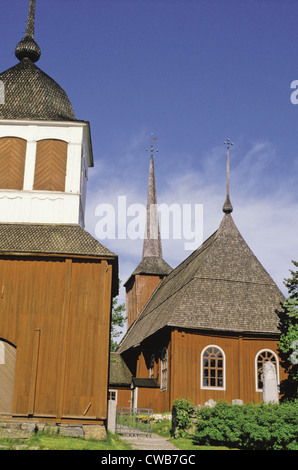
pixel 207 387
pixel 256 367
pixel 164 364
pixel 116 394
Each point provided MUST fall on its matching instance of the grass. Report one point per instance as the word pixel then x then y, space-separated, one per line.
pixel 49 441
pixel 45 441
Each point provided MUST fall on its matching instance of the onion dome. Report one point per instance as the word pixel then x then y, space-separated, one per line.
pixel 29 93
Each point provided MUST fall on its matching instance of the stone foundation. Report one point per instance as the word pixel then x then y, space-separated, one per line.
pixel 24 430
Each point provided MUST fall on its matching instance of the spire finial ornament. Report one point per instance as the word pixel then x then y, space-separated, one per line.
pixel 227 207
pixel 27 47
pixel 152 146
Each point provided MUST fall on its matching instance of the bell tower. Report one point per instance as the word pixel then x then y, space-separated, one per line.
pixel 45 152
pixel 152 268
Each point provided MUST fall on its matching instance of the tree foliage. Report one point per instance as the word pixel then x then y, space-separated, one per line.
pixel 118 321
pixel 288 344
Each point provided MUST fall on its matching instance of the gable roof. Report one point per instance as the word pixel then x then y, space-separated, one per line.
pixel 221 286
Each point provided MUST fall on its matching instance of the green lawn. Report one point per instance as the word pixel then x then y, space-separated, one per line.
pixel 47 441
pixel 44 441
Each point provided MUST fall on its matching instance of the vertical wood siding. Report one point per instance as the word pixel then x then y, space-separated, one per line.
pixel 184 369
pixel 50 165
pixel 57 312
pixel 12 162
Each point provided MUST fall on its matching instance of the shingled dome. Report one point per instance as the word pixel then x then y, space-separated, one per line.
pixel 29 93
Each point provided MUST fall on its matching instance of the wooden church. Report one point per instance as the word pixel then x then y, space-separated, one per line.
pixel 56 280
pixel 200 331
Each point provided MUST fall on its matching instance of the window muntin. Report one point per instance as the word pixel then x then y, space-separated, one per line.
pixel 164 369
pixel 263 356
pixel 112 395
pixel 213 368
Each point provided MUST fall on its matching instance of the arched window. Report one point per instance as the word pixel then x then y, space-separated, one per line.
pixel 164 369
pixel 213 368
pixel 50 165
pixel 12 162
pixel 151 368
pixel 263 356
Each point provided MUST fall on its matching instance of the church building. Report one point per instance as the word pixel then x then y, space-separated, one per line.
pixel 56 281
pixel 204 330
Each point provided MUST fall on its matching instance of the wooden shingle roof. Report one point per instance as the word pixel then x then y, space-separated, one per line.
pixel 29 92
pixel 119 373
pixel 50 239
pixel 221 286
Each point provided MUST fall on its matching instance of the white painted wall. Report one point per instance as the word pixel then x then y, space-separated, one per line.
pixel 28 206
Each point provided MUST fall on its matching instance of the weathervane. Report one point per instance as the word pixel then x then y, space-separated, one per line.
pixel 152 148
pixel 228 208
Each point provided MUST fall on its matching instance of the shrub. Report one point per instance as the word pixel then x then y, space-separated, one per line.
pixel 183 411
pixel 252 427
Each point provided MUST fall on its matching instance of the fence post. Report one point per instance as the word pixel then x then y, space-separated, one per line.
pixel 112 416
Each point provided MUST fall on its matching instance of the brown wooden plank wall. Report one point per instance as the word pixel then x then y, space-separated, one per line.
pixel 12 162
pixel 50 165
pixel 56 312
pixel 184 368
pixel 240 355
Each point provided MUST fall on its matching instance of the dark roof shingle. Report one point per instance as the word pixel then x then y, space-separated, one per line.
pixel 50 239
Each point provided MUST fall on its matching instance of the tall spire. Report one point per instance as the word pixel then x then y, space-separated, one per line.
pixel 227 207
pixel 152 241
pixel 27 47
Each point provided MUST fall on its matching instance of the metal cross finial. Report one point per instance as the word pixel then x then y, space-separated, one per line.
pixel 228 143
pixel 152 148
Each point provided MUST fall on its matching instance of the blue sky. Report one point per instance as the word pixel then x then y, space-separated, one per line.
pixel 193 73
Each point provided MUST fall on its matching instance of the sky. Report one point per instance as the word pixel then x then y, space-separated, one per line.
pixel 192 73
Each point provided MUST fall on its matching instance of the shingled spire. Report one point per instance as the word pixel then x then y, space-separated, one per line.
pixel 152 242
pixel 27 47
pixel 152 268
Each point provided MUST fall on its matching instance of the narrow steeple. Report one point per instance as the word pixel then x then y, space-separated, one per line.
pixel 152 241
pixel 227 207
pixel 27 47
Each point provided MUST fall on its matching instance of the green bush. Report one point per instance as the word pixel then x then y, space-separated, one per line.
pixel 250 427
pixel 183 411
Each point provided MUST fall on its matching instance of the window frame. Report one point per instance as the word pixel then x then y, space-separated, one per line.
pixel 210 387
pixel 256 367
pixel 164 367
pixel 113 392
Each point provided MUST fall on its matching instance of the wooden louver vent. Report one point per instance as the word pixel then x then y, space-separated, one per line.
pixel 12 162
pixel 50 165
